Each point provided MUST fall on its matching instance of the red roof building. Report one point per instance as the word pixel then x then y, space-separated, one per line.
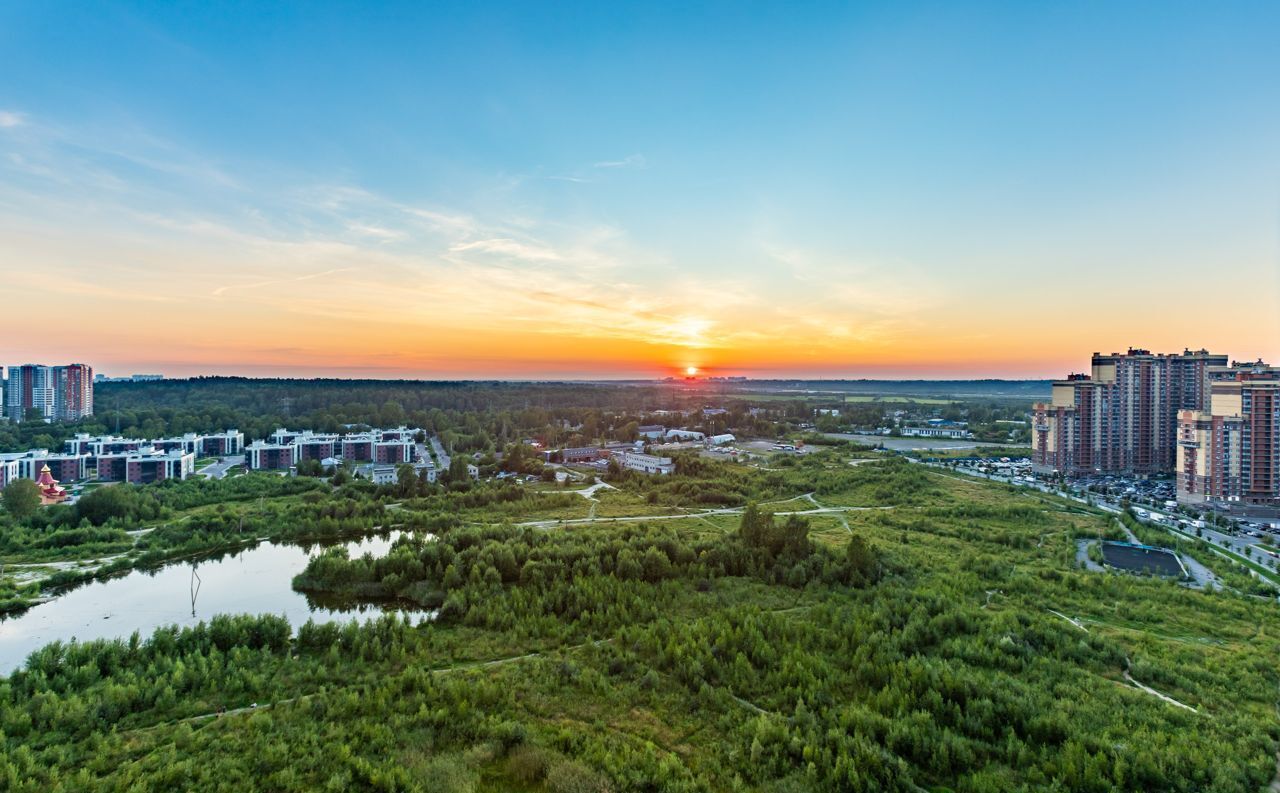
pixel 50 491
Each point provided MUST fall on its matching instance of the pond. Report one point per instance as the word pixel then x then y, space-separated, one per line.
pixel 256 580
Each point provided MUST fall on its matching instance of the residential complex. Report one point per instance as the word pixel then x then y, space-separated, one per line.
pixel 1229 453
pixel 112 458
pixel 286 448
pixel 1123 416
pixel 59 393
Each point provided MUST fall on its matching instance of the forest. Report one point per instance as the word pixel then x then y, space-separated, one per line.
pixel 487 417
pixel 801 624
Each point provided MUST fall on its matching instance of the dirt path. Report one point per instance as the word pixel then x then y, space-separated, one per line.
pixel 1148 689
pixel 1068 619
pixel 547 524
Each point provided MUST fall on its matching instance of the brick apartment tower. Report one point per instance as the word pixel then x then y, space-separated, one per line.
pixel 1230 453
pixel 1123 416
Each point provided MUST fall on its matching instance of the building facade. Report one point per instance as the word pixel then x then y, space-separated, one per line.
pixel 1123 416
pixel 393 451
pixel 8 470
pixel 647 463
pixel 224 444
pixel 146 465
pixel 261 456
pixel 1230 453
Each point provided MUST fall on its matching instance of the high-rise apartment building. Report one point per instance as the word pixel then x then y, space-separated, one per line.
pixel 59 393
pixel 31 386
pixel 1230 453
pixel 1123 416
pixel 73 392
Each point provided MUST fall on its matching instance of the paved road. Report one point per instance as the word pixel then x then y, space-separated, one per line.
pixel 219 469
pixel 442 458
pixel 914 444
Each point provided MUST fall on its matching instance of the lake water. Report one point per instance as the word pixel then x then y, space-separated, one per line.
pixel 256 580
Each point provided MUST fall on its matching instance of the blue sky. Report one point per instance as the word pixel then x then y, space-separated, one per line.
pixel 575 189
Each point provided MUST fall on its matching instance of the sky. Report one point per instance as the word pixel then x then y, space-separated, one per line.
pixel 616 190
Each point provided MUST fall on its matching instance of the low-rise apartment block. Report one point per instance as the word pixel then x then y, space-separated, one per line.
pixel 27 465
pixel 263 456
pixel 316 447
pixel 393 451
pixel 146 465
pixel 224 444
pixel 190 442
pixel 359 447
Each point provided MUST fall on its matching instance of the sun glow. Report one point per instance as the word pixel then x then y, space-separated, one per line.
pixel 691 370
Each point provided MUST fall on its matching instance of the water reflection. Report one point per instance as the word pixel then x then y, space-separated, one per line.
pixel 256 580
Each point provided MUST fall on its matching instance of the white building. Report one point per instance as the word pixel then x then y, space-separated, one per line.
pixel 956 433
pixel 390 474
pixel 721 440
pixel 8 469
pixel 647 463
pixel 684 435
pixel 651 431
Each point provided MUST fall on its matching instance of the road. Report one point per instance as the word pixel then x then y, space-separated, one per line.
pixel 442 458
pixel 915 444
pixel 219 469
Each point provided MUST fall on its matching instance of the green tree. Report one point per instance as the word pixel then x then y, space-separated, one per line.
pixel 406 480
pixel 22 498
pixel 861 564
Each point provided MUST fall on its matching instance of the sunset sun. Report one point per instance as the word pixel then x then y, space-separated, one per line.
pixel 691 370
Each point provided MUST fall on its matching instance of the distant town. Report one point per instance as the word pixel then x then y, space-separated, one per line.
pixel 1206 425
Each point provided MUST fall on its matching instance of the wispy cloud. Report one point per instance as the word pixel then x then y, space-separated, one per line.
pixel 222 290
pixel 10 119
pixel 630 161
pixel 509 247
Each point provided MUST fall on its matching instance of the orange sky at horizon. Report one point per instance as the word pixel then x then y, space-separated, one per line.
pixel 256 308
pixel 260 307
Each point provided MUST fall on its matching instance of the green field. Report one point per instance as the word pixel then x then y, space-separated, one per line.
pixel 905 629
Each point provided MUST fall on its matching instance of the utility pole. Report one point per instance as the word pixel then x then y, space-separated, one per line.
pixel 195 588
